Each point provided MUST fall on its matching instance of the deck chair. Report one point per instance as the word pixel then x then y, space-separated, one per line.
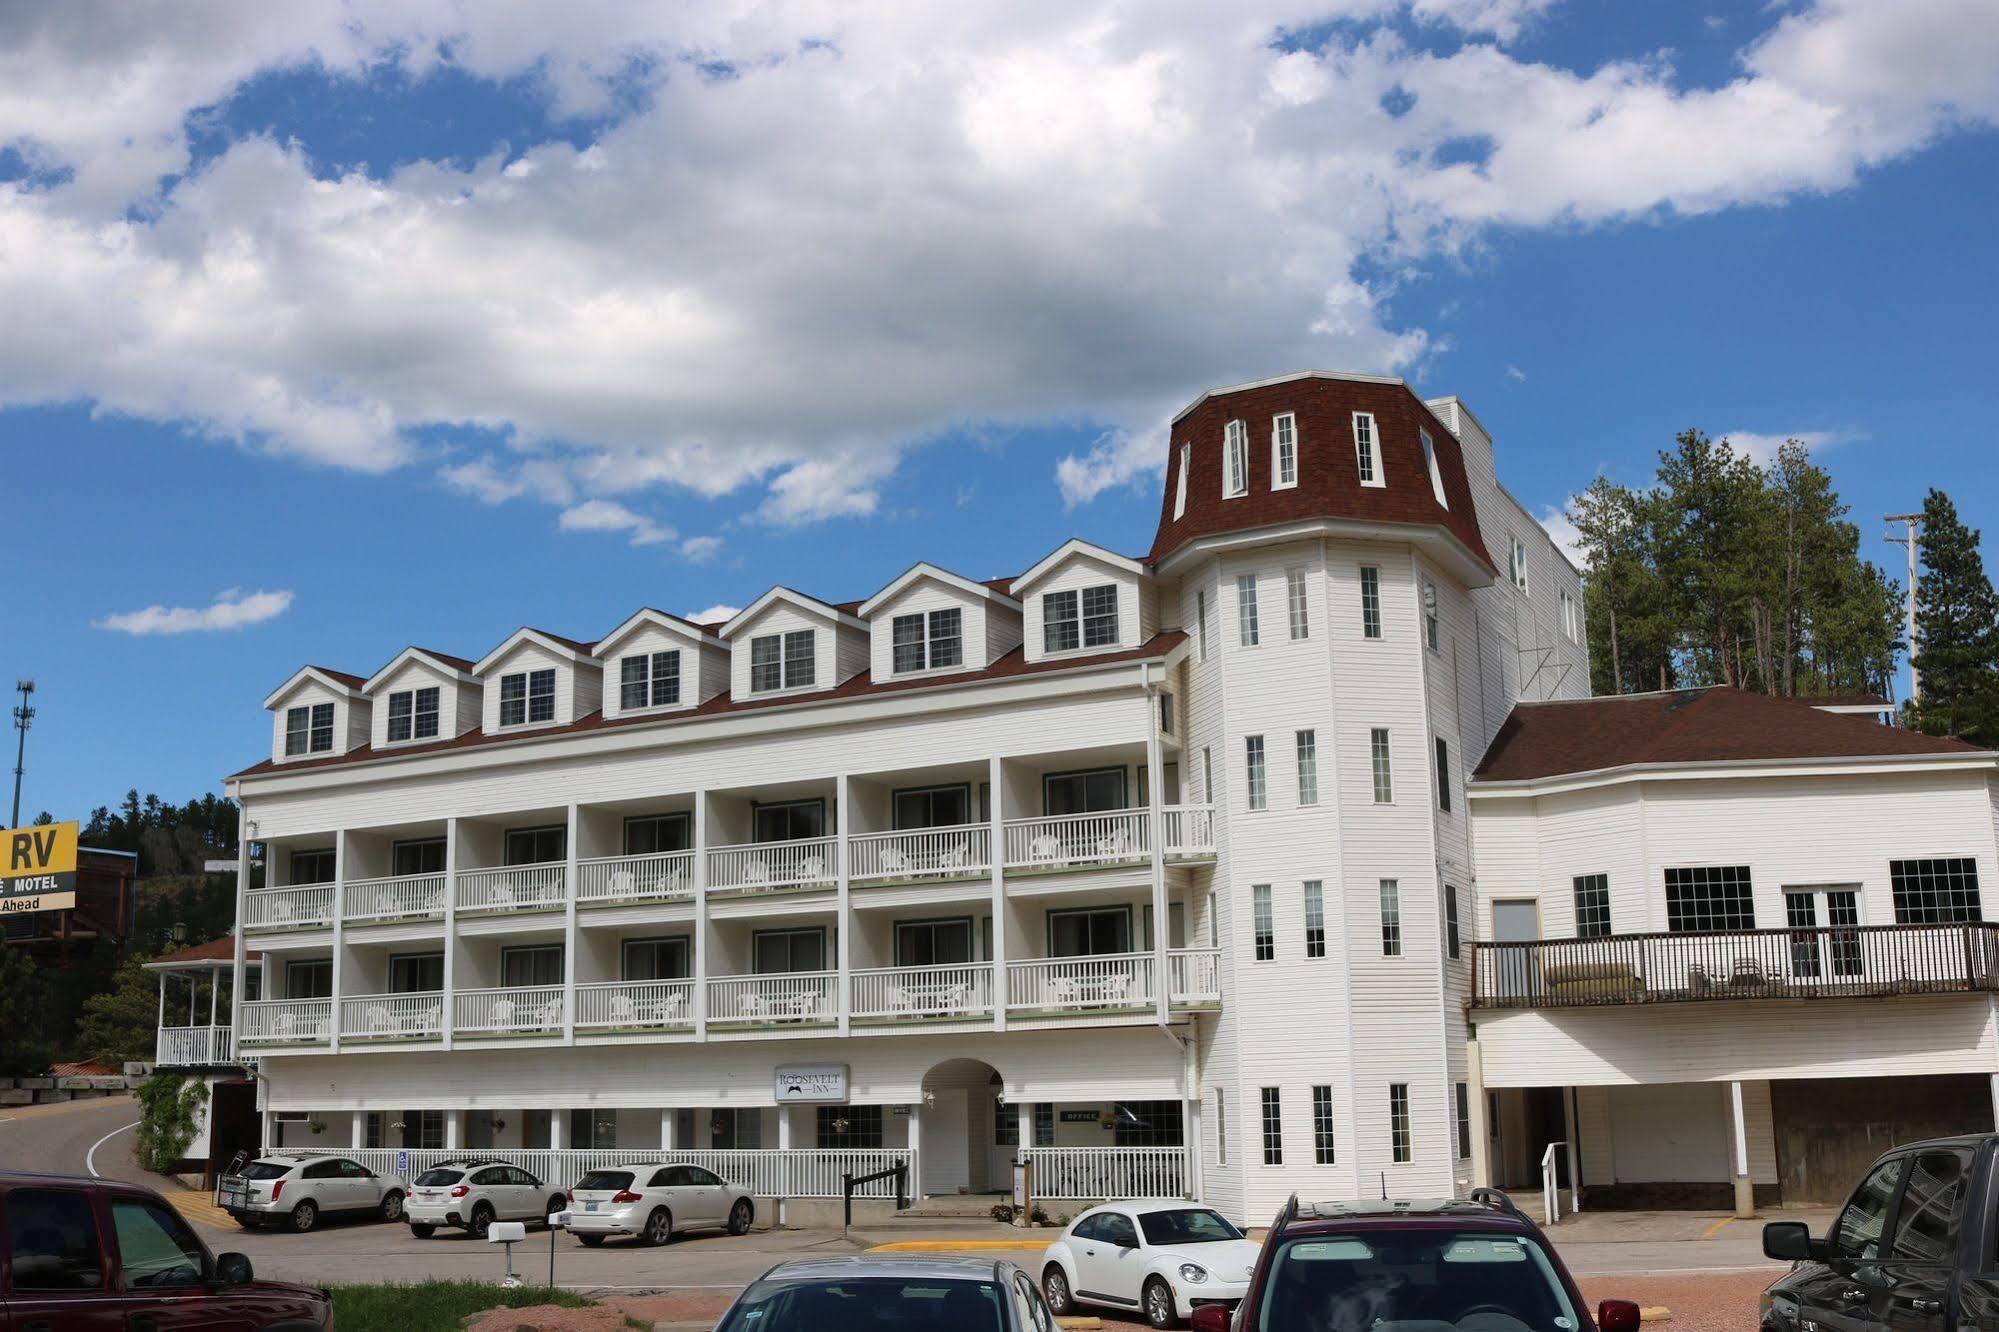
pixel 624 883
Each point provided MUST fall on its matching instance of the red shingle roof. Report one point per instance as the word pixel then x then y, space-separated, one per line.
pixel 456 663
pixel 351 681
pixel 1716 725
pixel 215 950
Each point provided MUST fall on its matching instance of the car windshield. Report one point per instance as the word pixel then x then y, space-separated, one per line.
pixel 267 1170
pixel 605 1181
pixel 900 1304
pixel 1434 1280
pixel 1186 1225
pixel 432 1178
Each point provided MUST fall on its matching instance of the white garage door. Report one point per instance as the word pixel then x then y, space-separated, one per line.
pixel 1678 1133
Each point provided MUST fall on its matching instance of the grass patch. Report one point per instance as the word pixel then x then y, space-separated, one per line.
pixel 434 1306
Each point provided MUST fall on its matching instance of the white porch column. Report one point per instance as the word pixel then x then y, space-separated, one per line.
pixel 1481 1141
pixel 1026 1131
pixel 1569 1124
pixel 668 1121
pixel 339 932
pixel 916 1146
pixel 1155 783
pixel 569 929
pixel 1190 1120
pixel 358 1134
pixel 701 915
pixel 1745 1190
pixel 449 998
pixel 237 964
pixel 558 1129
pixel 783 1145
pixel 843 934
pixel 264 1142
pixel 996 837
pixel 161 1020
pixel 214 1000
pixel 454 1130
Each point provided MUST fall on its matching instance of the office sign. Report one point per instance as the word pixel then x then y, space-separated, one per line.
pixel 37 868
pixel 823 1083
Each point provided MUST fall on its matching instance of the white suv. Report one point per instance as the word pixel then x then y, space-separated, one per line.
pixel 474 1193
pixel 297 1188
pixel 656 1202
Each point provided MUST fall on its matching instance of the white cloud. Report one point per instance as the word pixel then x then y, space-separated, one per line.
pixel 701 549
pixel 1567 538
pixel 232 609
pixel 610 516
pixel 712 297
pixel 716 614
pixel 1516 374
pixel 1761 448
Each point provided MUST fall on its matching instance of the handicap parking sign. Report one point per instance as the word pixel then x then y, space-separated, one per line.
pixel 402 1163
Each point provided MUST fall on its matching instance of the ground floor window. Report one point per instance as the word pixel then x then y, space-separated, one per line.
pixel 1006 1124
pixel 738 1128
pixel 596 1129
pixel 1935 892
pixel 1044 1123
pixel 1709 897
pixel 1148 1124
pixel 422 1129
pixel 849 1126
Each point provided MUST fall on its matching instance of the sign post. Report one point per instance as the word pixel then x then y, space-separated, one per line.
pixel 37 868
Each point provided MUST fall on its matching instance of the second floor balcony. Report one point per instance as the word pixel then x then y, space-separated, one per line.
pixel 192 1047
pixel 1836 962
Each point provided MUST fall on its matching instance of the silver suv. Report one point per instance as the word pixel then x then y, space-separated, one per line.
pixel 473 1193
pixel 295 1189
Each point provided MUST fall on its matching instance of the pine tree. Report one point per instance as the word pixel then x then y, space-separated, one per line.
pixel 1957 629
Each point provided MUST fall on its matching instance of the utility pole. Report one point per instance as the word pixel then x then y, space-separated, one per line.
pixel 23 716
pixel 1907 541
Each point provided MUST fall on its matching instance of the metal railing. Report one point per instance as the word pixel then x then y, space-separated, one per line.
pixel 518 1010
pixel 1070 841
pixel 1190 831
pixel 1830 962
pixel 793 996
pixel 288 908
pixel 1088 1173
pixel 664 877
pixel 761 867
pixel 653 1005
pixel 795 1173
pixel 392 1017
pixel 188 1046
pixel 398 897
pixel 1080 984
pixel 914 993
pixel 284 1022
pixel 1194 976
pixel 513 887
pixel 962 851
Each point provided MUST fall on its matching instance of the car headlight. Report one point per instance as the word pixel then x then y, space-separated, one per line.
pixel 1193 1272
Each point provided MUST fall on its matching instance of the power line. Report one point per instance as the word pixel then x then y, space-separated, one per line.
pixel 1909 521
pixel 24 716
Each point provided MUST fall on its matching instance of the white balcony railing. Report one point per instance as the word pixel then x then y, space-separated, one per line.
pixel 1080 984
pixel 1190 831
pixel 1085 1173
pixel 917 993
pixel 183 1047
pixel 612 880
pixel 399 897
pixel 795 996
pixel 514 888
pixel 519 1010
pixel 963 851
pixel 1069 841
pixel 654 1005
pixel 392 1017
pixel 1194 976
pixel 762 867
pixel 805 1172
pixel 288 908
pixel 285 1022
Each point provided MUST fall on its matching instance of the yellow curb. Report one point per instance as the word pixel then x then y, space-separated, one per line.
pixel 200 1208
pixel 962 1246
pixel 1081 1322
pixel 1654 1313
pixel 1715 1229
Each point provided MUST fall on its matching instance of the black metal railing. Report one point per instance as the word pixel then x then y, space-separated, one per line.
pixel 1835 962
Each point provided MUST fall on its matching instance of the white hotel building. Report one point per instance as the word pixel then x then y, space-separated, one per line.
pixel 1168 870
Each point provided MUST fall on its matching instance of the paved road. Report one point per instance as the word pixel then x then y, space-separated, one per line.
pixel 60 1138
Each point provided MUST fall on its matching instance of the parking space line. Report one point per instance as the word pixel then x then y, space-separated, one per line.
pixel 1715 1229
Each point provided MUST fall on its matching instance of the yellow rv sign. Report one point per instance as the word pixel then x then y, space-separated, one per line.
pixel 37 868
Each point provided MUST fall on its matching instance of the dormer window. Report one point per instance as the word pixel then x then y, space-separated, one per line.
pixel 413 714
pixel 1085 618
pixel 928 642
pixel 1519 563
pixel 1180 483
pixel 648 680
pixel 1235 460
pixel 1436 476
pixel 1283 451
pixel 526 697
pixel 782 661
pixel 1367 456
pixel 309 730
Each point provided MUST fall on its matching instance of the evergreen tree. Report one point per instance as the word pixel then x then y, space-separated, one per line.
pixel 118 1023
pixel 1957 629
pixel 24 1049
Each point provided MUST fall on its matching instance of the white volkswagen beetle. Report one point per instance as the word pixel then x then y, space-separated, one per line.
pixel 1161 1258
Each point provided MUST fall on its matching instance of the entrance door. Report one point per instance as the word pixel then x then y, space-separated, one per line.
pixel 1515 922
pixel 947 1130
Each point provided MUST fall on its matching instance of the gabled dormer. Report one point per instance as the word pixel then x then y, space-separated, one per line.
pixel 422 697
pixel 535 680
pixel 787 643
pixel 317 714
pixel 1083 600
pixel 933 622
pixel 660 663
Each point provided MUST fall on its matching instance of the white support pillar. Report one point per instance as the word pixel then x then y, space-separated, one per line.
pixel 357 1134
pixel 161 1020
pixel 1155 784
pixel 669 1120
pixel 1745 1190
pixel 449 999
pixel 1481 1131
pixel 264 1142
pixel 701 915
pixel 1026 1130
pixel 214 996
pixel 843 934
pixel 237 963
pixel 339 932
pixel 1569 1118
pixel 996 838
pixel 569 928
pixel 1190 1122
pixel 783 1145
pixel 916 1148
pixel 454 1130
pixel 558 1129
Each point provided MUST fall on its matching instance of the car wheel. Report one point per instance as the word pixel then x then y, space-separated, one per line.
pixel 740 1217
pixel 482 1220
pixel 422 1231
pixel 1055 1285
pixel 305 1216
pixel 1158 1302
pixel 392 1206
pixel 591 1241
pixel 659 1228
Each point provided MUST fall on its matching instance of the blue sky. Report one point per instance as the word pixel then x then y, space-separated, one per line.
pixel 428 332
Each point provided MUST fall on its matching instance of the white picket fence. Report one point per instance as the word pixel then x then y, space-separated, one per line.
pixel 797 1173
pixel 182 1047
pixel 1078 1173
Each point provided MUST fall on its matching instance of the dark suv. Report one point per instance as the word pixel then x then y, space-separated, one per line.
pixel 96 1253
pixel 1428 1263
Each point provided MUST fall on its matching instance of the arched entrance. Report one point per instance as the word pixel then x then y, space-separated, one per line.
pixel 955 1129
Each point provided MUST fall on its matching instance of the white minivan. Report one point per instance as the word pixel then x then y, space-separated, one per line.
pixel 655 1203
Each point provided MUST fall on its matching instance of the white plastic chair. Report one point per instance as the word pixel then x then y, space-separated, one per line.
pixel 433 1018
pixel 502 894
pixel 954 857
pixel 1113 845
pixel 623 1011
pixel 900 999
pixel 624 883
pixel 284 1024
pixel 756 873
pixel 1046 847
pixel 813 868
pixel 500 1016
pixel 381 1019
pixel 672 1007
pixel 282 910
pixel 893 861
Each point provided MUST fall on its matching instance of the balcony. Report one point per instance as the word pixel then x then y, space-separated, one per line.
pixel 514 888
pixel 285 1022
pixel 1072 985
pixel 1855 962
pixel 191 1047
pixel 515 1010
pixel 392 1017
pixel 398 897
pixel 1194 977
pixel 629 880
pixel 770 867
pixel 1078 841
pixel 922 855
pixel 923 994
pixel 793 998
pixel 635 1006
pixel 288 908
